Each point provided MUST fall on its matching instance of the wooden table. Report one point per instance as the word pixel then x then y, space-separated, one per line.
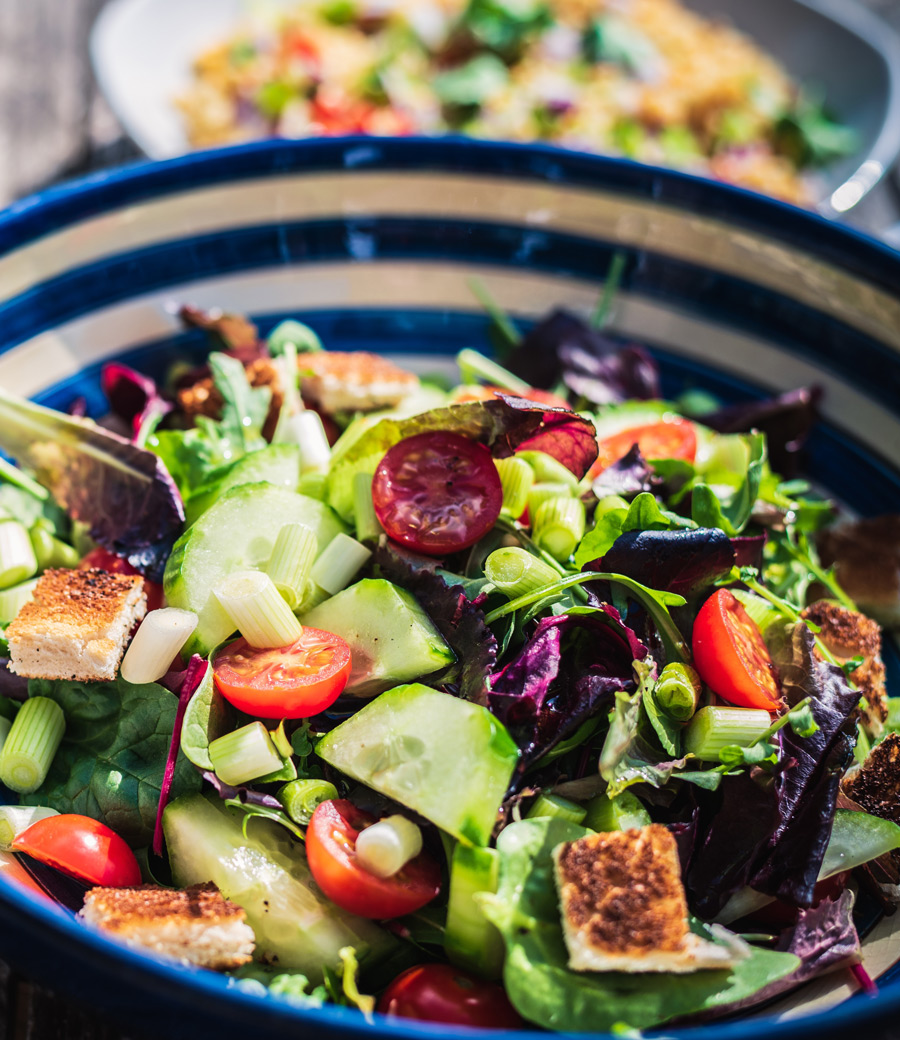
pixel 53 125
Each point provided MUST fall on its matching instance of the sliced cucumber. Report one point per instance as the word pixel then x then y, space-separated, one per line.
pixel 392 640
pixel 237 533
pixel 470 940
pixel 616 814
pixel 443 757
pixel 267 874
pixel 277 464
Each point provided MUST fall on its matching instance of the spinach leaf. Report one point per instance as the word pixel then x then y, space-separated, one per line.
pixel 536 975
pixel 111 762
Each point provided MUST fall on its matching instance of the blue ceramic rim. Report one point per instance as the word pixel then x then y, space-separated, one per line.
pixel 56 208
pixel 45 212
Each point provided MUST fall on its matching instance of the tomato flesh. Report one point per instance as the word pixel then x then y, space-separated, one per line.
pixel 730 655
pixel 82 848
pixel 437 492
pixel 673 438
pixel 11 868
pixel 442 993
pixel 288 682
pixel 331 850
pixel 105 560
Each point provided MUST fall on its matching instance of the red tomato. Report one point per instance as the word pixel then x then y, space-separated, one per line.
pixel 336 114
pixel 730 655
pixel 108 561
pixel 437 492
pixel 463 394
pixel 82 848
pixel 441 993
pixel 667 439
pixel 287 682
pixel 331 849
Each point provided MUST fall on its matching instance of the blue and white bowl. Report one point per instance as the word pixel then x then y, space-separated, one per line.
pixel 374 244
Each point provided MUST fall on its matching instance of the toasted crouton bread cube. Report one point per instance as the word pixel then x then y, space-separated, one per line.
pixel 876 785
pixel 848 634
pixel 196 925
pixel 76 625
pixel 356 381
pixel 623 905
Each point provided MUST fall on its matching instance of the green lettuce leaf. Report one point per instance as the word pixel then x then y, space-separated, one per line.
pixel 644 514
pixel 110 764
pixel 541 986
pixel 726 495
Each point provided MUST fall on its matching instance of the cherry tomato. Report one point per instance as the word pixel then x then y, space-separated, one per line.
pixel 82 848
pixel 668 439
pixel 730 655
pixel 331 850
pixel 108 561
pixel 463 394
pixel 437 492
pixel 287 682
pixel 442 993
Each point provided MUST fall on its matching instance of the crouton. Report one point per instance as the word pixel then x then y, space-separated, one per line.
pixel 847 634
pixel 196 925
pixel 875 786
pixel 76 625
pixel 335 381
pixel 624 908
pixel 865 555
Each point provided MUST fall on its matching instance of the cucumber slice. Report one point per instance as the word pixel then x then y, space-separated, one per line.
pixel 392 640
pixel 277 464
pixel 237 533
pixel 470 940
pixel 616 814
pixel 443 757
pixel 267 874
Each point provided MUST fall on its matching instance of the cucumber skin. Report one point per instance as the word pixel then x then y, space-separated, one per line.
pixel 470 940
pixel 268 507
pixel 392 742
pixel 206 843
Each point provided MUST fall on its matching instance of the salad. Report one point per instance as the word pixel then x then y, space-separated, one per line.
pixel 525 701
pixel 648 79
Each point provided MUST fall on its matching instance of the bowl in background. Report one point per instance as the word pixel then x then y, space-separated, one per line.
pixel 142 52
pixel 373 243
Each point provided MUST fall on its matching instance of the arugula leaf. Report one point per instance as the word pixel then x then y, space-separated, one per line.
pixel 536 974
pixel 111 762
pixel 644 514
pixel 244 408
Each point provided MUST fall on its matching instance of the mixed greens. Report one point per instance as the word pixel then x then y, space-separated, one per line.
pixel 482 622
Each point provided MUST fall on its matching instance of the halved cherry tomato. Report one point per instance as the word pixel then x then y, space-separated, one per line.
pixel 667 439
pixel 108 561
pixel 442 993
pixel 437 492
pixel 331 850
pixel 287 682
pixel 462 394
pixel 82 848
pixel 730 655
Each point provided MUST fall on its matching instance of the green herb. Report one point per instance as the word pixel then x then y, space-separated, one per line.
pixel 643 514
pixel 505 26
pixel 809 136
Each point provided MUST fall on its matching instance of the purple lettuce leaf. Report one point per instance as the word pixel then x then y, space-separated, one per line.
pixel 786 420
pixel 133 398
pixel 570 668
pixel 807 787
pixel 593 364
pixel 123 493
pixel 459 620
pixel 824 938
pixel 569 438
pixel 190 679
pixel 629 476
pixel 245 795
pixel 685 562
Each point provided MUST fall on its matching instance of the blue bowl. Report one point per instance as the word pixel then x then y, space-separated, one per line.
pixel 373 243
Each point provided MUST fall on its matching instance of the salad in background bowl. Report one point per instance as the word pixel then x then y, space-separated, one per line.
pixel 531 634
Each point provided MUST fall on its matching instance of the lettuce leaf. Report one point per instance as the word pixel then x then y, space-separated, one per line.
pixel 123 493
pixel 644 514
pixel 536 976
pixel 112 760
